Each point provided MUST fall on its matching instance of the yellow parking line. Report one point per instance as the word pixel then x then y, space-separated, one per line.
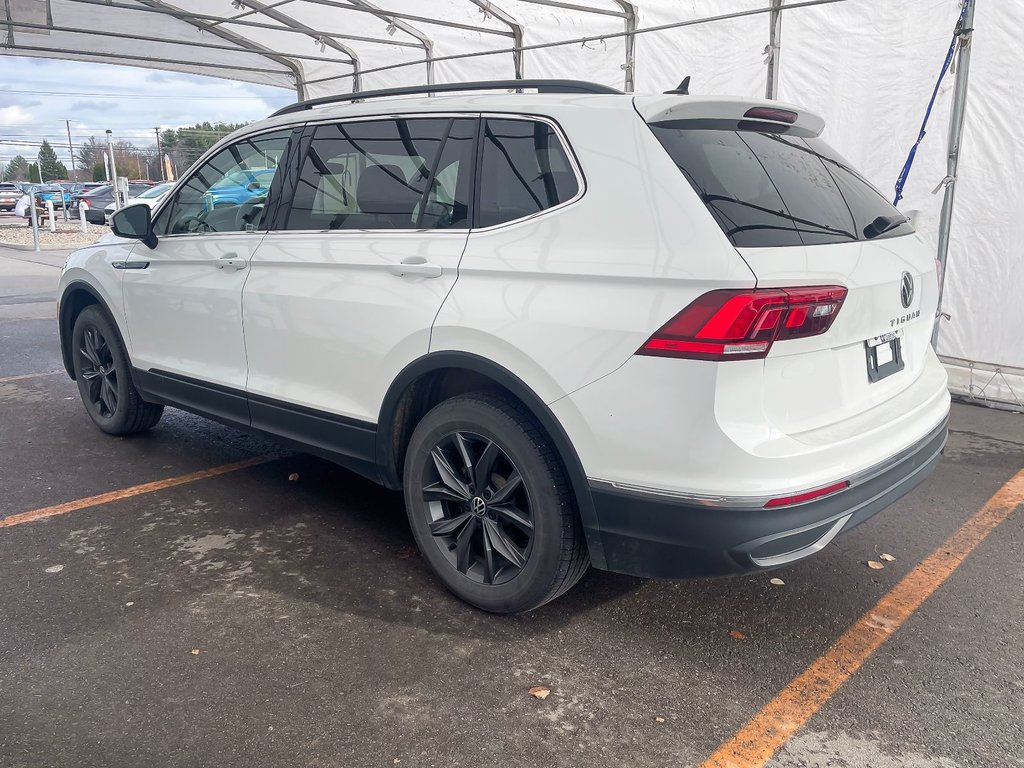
pixel 5 379
pixel 125 493
pixel 769 730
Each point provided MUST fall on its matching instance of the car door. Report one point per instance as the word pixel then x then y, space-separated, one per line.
pixel 343 291
pixel 183 298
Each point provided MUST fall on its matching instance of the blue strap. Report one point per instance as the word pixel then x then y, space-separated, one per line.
pixel 901 181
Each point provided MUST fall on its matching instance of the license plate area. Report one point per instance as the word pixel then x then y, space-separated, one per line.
pixel 884 355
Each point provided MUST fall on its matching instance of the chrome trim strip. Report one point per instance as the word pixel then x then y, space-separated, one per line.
pixel 806 551
pixel 758 502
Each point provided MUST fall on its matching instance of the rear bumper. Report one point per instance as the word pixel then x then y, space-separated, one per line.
pixel 660 536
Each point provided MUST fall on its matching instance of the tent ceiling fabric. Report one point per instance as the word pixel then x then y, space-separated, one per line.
pixel 864 65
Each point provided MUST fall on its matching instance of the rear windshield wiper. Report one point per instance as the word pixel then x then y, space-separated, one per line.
pixel 883 224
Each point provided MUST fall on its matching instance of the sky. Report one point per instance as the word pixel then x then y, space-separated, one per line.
pixel 38 95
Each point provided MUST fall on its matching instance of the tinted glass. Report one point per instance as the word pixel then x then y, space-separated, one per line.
pixel 385 174
pixel 525 170
pixel 207 204
pixel 768 189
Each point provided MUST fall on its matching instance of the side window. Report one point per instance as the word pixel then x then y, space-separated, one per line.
pixel 525 170
pixel 386 174
pixel 228 192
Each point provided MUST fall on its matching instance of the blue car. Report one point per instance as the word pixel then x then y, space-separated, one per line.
pixel 240 187
pixel 53 193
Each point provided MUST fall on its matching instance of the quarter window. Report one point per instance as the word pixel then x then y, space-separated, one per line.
pixel 228 193
pixel 386 174
pixel 525 170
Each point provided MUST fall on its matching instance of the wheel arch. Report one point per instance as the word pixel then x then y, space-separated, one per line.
pixel 76 296
pixel 400 413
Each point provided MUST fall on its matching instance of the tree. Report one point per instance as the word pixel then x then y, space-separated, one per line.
pixel 90 153
pixel 16 170
pixel 99 172
pixel 51 167
pixel 33 173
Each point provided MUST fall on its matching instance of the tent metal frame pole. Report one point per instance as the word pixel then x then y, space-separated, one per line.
pixel 771 89
pixel 424 42
pixel 582 40
pixel 958 112
pixel 631 20
pixel 515 28
pixel 319 38
pixel 389 14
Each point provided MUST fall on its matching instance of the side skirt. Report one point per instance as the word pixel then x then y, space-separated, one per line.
pixel 350 443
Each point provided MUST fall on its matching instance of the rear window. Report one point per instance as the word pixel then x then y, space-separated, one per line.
pixel 769 189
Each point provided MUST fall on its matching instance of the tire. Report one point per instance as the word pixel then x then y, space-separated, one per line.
pixel 516 542
pixel 103 373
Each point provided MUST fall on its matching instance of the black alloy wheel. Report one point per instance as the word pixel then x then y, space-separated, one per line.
pixel 103 373
pixel 479 509
pixel 490 505
pixel 97 369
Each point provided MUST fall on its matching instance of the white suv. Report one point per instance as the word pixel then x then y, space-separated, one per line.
pixel 666 335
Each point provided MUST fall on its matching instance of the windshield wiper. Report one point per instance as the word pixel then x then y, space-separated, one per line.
pixel 883 224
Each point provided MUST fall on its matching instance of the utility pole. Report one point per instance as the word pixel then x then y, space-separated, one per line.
pixel 159 158
pixel 773 50
pixel 71 149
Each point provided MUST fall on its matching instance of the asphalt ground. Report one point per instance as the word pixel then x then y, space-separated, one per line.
pixel 248 619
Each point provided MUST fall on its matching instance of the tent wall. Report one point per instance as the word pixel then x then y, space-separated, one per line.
pixel 868 66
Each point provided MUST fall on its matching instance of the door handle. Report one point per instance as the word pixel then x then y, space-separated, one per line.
pixel 230 261
pixel 415 266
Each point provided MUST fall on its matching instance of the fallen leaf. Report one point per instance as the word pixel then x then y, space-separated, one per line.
pixel 195 651
pixel 540 692
pixel 396 761
pixel 406 552
pixel 887 557
pixel 659 719
pixel 777 581
pixel 293 476
pixel 737 635
pixel 130 604
pixel 875 565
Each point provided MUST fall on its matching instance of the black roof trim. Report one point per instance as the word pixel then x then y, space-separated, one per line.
pixel 542 86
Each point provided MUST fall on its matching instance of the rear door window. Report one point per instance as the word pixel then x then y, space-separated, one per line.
pixel 769 189
pixel 525 170
pixel 386 174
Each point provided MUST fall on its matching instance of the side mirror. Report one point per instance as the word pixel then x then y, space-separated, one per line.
pixel 253 186
pixel 136 223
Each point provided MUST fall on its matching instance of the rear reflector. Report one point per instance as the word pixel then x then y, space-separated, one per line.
pixel 743 324
pixel 771 113
pixel 800 498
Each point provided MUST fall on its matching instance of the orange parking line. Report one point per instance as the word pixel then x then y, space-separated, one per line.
pixel 769 730
pixel 5 379
pixel 125 493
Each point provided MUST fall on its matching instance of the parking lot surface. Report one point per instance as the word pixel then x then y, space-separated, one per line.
pixel 277 614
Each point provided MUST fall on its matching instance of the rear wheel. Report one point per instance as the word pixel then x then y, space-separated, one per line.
pixel 104 379
pixel 490 506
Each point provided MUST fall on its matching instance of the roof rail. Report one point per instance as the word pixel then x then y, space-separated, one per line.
pixel 542 86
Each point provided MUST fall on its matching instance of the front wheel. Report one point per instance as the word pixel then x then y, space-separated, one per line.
pixel 490 505
pixel 104 378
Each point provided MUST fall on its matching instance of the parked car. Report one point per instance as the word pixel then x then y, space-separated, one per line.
pixel 241 186
pixel 151 197
pixel 53 193
pixel 96 200
pixel 10 193
pixel 664 335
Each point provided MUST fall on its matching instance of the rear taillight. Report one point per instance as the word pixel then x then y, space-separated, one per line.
pixel 771 113
pixel 743 324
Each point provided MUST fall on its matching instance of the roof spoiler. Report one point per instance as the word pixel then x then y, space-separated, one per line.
pixel 660 109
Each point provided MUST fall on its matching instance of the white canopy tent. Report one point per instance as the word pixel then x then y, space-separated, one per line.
pixel 866 65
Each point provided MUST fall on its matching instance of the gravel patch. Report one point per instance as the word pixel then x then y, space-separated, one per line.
pixel 14 232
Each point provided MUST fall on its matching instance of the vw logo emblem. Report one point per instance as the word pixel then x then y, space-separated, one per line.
pixel 907 289
pixel 478 506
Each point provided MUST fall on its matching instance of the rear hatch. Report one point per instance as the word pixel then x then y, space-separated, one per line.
pixel 800 215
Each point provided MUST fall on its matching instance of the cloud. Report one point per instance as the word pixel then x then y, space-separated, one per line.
pixel 14 115
pixel 91 106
